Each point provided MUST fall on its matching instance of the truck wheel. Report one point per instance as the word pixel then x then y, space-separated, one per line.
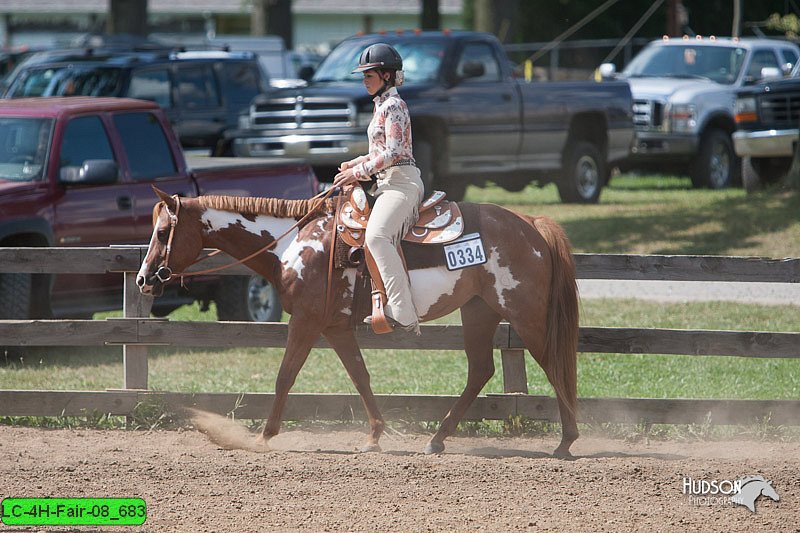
pixel 423 155
pixel 583 174
pixel 248 298
pixel 762 171
pixel 715 165
pixel 15 303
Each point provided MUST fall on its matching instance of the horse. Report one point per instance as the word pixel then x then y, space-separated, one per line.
pixel 528 280
pixel 751 488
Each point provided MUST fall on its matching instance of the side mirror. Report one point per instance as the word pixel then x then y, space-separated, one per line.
pixel 472 69
pixel 306 72
pixel 768 73
pixel 608 71
pixel 92 172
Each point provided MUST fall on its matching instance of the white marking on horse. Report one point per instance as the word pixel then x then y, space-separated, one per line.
pixel 429 284
pixel 503 278
pixel 292 255
pixel 217 220
pixel 143 270
pixel 350 275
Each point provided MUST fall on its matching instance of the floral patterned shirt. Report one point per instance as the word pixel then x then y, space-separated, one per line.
pixel 389 134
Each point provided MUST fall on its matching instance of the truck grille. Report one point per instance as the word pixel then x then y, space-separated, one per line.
pixel 648 114
pixel 780 110
pixel 300 112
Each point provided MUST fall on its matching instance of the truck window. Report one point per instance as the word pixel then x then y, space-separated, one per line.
pixel 146 146
pixel 241 83
pixel 84 138
pixel 151 85
pixel 761 59
pixel 23 147
pixel 479 53
pixel 196 87
pixel 68 81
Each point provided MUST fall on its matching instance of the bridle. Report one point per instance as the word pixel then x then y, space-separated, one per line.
pixel 164 272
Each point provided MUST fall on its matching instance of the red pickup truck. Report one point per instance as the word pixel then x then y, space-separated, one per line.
pixel 78 172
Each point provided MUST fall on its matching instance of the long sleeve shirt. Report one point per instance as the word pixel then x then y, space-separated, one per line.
pixel 389 134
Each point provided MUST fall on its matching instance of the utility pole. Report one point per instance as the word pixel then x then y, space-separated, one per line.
pixel 430 18
pixel 673 24
pixel 127 17
pixel 273 17
pixel 737 18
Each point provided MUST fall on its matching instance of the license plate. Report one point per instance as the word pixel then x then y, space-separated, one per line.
pixel 468 251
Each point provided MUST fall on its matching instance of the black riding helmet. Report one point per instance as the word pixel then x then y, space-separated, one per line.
pixel 379 55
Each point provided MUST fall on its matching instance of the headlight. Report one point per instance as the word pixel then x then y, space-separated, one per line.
pixel 746 109
pixel 682 117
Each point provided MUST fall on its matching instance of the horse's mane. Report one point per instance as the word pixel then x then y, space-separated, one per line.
pixel 274 207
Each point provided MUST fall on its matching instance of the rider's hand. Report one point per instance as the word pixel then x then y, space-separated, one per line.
pixel 345 177
pixel 345 165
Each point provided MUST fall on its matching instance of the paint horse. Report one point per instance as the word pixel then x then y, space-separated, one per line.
pixel 528 279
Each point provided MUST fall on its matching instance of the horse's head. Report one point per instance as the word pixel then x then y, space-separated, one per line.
pixel 175 244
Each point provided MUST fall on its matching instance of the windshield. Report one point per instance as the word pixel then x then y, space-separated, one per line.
pixel 66 81
pixel 718 63
pixel 421 61
pixel 23 147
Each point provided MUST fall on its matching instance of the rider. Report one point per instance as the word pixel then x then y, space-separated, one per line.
pixel 399 187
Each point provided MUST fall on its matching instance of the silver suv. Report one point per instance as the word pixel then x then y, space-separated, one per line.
pixel 684 92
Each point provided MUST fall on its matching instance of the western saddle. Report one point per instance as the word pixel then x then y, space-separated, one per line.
pixel 440 221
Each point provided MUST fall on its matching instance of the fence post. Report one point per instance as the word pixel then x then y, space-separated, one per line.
pixel 515 377
pixel 136 305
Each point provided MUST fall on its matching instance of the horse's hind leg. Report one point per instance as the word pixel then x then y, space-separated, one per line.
pixel 534 340
pixel 344 342
pixel 479 324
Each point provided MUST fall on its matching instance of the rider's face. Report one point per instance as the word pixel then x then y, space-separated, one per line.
pixel 373 81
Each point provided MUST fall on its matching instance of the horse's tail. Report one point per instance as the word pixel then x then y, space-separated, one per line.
pixel 561 344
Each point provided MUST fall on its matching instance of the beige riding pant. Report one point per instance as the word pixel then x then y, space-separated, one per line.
pixel 396 209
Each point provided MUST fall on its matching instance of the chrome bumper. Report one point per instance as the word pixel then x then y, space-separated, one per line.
pixel 765 143
pixel 323 149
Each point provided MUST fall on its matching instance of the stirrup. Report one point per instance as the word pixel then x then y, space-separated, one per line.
pixel 392 322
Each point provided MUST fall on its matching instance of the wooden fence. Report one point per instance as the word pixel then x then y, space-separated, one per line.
pixel 135 332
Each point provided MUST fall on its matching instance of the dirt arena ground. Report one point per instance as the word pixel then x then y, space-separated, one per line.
pixel 315 481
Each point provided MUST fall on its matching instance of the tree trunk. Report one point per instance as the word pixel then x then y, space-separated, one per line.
pixel 127 17
pixel 499 17
pixel 273 17
pixel 430 18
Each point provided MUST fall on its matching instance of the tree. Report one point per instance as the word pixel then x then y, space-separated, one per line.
pixel 430 18
pixel 273 17
pixel 127 17
pixel 499 17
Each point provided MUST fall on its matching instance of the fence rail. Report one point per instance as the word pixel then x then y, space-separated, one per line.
pixel 135 332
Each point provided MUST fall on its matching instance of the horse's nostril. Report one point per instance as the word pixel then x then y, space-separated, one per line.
pixel 140 281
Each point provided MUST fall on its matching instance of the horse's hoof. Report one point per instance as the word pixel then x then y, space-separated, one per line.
pixel 563 454
pixel 370 448
pixel 434 448
pixel 261 444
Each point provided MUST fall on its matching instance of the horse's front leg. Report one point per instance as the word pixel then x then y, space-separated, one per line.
pixel 302 336
pixel 343 340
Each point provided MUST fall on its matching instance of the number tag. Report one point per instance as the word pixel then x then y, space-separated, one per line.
pixel 468 251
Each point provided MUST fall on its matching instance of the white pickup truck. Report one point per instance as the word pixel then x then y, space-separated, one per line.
pixel 684 91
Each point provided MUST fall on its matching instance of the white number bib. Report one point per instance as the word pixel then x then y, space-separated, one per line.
pixel 467 251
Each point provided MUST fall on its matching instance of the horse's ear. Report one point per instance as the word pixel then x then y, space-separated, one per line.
pixel 166 198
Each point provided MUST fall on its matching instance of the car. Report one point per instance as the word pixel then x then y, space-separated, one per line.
pixel 203 92
pixel 684 91
pixel 766 138
pixel 79 172
pixel 472 120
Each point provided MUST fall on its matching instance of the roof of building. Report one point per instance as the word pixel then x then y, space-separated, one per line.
pixel 364 7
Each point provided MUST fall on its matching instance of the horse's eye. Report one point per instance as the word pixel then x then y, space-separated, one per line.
pixel 162 235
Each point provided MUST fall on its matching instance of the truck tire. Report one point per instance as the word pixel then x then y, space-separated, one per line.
pixel 247 298
pixel 15 303
pixel 715 165
pixel 759 172
pixel 583 174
